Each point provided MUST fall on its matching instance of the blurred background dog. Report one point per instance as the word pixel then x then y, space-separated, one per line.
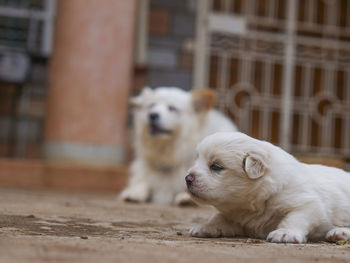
pixel 169 122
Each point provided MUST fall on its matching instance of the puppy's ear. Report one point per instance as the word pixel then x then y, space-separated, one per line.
pixel 254 165
pixel 138 100
pixel 203 99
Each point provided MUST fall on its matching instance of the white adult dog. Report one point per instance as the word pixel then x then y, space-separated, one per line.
pixel 169 123
pixel 262 191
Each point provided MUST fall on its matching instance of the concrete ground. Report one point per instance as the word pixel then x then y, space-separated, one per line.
pixel 37 226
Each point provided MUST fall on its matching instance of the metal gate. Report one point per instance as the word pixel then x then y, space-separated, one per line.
pixel 281 69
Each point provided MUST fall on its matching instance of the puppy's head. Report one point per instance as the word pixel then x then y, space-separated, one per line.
pixel 162 111
pixel 227 168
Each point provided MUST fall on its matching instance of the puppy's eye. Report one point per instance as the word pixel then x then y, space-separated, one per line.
pixel 172 108
pixel 216 167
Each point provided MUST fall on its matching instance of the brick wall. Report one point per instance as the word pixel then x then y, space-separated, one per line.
pixel 171 36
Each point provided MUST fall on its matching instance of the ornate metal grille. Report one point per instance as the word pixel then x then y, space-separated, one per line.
pixel 283 72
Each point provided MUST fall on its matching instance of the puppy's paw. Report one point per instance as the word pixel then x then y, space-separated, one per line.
pixel 338 234
pixel 184 199
pixel 135 194
pixel 206 231
pixel 286 236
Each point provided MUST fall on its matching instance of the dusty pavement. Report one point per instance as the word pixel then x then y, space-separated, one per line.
pixel 58 227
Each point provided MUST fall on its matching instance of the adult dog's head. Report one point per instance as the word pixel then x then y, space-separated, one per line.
pixel 164 111
pixel 228 169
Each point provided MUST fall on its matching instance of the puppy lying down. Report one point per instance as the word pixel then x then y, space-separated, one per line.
pixel 262 191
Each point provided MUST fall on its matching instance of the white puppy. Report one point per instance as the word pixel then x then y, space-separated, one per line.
pixel 169 123
pixel 262 191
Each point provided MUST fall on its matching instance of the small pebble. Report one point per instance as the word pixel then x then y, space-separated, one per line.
pixel 31 216
pixel 343 243
pixel 178 233
pixel 84 237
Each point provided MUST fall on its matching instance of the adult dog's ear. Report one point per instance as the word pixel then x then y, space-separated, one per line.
pixel 254 165
pixel 137 101
pixel 203 99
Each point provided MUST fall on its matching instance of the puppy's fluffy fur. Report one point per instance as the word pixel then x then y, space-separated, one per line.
pixel 262 191
pixel 169 122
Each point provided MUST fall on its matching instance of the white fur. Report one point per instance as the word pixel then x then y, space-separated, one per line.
pixel 162 160
pixel 264 192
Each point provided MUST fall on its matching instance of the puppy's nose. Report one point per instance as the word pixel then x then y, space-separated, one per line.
pixel 189 179
pixel 153 116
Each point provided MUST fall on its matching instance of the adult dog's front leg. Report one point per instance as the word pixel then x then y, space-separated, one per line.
pixel 217 226
pixel 136 193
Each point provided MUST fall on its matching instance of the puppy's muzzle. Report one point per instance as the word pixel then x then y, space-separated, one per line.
pixel 189 180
